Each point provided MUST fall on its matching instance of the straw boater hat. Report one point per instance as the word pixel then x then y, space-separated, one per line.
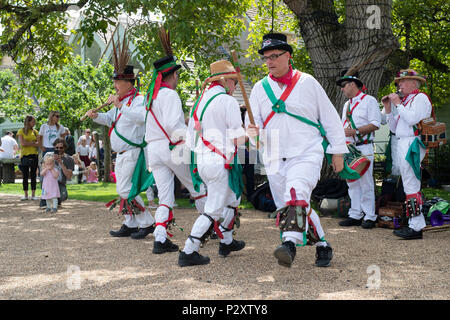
pixel 273 41
pixel 220 70
pixel 409 74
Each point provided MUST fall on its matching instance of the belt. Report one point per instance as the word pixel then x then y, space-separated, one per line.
pixel 362 143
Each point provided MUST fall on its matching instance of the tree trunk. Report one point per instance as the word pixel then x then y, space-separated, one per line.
pixel 361 43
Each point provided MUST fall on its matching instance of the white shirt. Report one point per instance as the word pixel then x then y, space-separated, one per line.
pixel 221 123
pixel 88 139
pixel 130 124
pixel 83 150
pixel 285 136
pixel 169 113
pixel 414 108
pixel 8 144
pixel 365 111
pixel 50 134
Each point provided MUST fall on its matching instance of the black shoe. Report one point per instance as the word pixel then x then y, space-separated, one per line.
pixel 235 245
pixel 350 222
pixel 193 259
pixel 408 234
pixel 323 256
pixel 285 253
pixel 213 236
pixel 368 224
pixel 167 246
pixel 123 232
pixel 143 232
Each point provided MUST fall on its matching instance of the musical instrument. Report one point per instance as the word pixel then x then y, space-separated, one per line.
pixel 356 161
pixel 96 109
pixel 439 219
pixel 398 92
pixel 432 133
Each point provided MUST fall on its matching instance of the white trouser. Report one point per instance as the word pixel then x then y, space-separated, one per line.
pixel 125 165
pixel 220 196
pixel 164 168
pixel 301 173
pixel 362 191
pixel 411 184
pixel 395 157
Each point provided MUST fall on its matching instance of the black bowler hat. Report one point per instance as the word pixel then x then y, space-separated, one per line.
pixel 275 41
pixel 167 64
pixel 127 74
pixel 353 78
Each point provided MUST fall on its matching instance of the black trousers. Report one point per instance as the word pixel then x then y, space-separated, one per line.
pixel 28 166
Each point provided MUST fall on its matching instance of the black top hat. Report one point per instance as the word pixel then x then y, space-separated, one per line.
pixel 275 41
pixel 128 74
pixel 168 63
pixel 353 78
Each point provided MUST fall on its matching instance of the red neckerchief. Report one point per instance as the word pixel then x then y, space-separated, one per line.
pixel 214 84
pixel 415 92
pixel 166 85
pixel 130 93
pixel 286 79
pixel 359 92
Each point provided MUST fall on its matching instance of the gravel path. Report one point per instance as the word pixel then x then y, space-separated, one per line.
pixel 70 255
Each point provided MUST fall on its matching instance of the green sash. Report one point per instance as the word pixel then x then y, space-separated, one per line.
pixel 413 156
pixel 142 179
pixel 235 181
pixel 280 107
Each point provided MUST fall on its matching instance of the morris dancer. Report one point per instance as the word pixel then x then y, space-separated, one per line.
pixel 127 136
pixel 403 116
pixel 290 105
pixel 165 132
pixel 216 128
pixel 361 117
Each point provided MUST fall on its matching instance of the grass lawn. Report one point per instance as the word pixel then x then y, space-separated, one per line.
pixel 102 192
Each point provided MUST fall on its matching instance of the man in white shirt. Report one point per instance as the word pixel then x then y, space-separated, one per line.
pixel 87 136
pixel 214 132
pixel 292 148
pixel 9 146
pixel 165 131
pixel 403 116
pixel 361 117
pixel 127 136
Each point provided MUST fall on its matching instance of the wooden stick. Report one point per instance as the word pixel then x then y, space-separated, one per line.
pixel 431 228
pixel 244 93
pixel 95 110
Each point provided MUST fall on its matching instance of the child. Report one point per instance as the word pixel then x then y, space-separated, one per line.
pixel 50 187
pixel 92 176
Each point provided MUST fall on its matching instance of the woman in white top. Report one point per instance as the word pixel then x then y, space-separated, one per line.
pixel 50 131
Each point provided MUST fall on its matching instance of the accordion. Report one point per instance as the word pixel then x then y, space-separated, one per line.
pixel 432 133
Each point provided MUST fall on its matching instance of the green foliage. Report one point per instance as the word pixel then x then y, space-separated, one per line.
pixel 71 90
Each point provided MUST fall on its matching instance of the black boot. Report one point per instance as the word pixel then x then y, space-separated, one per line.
pixel 166 246
pixel 323 255
pixel 123 232
pixel 193 259
pixel 225 249
pixel 143 232
pixel 408 234
pixel 285 253
pixel 368 224
pixel 350 222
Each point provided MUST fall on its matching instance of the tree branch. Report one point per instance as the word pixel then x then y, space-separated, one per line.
pixel 30 16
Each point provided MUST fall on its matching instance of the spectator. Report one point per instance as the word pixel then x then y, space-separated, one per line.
pixel 51 131
pixel 83 152
pixel 87 136
pixel 65 165
pixel 50 189
pixel 9 146
pixel 70 142
pixel 29 143
pixel 92 175
pixel 79 169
